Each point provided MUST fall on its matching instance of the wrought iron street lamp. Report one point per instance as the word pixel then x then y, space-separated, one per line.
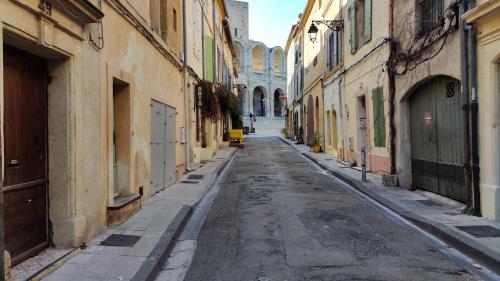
pixel 335 25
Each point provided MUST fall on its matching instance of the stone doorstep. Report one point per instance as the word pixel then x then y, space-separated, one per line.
pixel 123 208
pixel 451 235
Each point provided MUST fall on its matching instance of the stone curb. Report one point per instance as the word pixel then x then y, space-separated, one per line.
pixel 469 247
pixel 152 266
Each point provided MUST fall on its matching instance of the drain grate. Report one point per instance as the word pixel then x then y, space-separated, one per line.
pixel 328 159
pixel 120 240
pixel 195 177
pixel 189 182
pixel 480 231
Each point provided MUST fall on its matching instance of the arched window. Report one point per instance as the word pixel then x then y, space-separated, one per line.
pixel 278 61
pixel 258 58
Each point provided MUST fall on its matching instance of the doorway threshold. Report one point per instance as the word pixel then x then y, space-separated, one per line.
pixel 42 264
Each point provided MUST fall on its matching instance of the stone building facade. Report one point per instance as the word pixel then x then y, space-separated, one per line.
pixel 262 72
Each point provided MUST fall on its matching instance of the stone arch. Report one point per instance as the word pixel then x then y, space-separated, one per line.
pixel 408 91
pixel 278 60
pixel 259 101
pixel 259 57
pixel 279 102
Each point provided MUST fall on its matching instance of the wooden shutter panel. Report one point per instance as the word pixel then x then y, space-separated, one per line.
pixel 163 19
pixel 379 117
pixel 352 18
pixel 368 20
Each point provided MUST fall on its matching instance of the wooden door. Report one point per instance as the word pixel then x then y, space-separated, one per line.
pixel 436 121
pixel 310 121
pixel 25 134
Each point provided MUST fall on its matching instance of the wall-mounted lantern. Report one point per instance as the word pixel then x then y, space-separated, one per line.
pixel 335 25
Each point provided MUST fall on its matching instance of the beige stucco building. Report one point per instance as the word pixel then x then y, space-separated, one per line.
pixel 486 17
pixel 97 106
pixel 397 84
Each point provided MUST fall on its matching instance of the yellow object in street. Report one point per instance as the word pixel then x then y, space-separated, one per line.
pixel 236 135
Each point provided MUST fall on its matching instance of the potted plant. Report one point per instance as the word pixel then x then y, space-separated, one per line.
pixel 316 147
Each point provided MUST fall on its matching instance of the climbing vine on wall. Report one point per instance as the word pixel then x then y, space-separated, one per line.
pixel 210 103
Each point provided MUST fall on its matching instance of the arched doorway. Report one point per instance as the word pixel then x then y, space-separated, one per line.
pixel 278 103
pixel 259 102
pixel 436 128
pixel 310 121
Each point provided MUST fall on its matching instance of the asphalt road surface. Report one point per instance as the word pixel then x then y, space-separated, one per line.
pixel 278 217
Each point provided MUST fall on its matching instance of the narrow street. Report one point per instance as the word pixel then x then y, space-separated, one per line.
pixel 277 217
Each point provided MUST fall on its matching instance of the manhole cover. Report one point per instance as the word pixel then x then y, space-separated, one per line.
pixel 120 240
pixel 195 177
pixel 189 182
pixel 480 231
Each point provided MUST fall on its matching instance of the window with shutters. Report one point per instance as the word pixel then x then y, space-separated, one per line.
pixel 158 12
pixel 378 117
pixel 360 23
pixel 429 14
pixel 334 50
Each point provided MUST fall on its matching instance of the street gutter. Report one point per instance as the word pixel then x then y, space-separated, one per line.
pixel 152 266
pixel 469 247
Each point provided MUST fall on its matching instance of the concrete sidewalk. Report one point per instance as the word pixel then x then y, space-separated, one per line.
pixel 156 225
pixel 439 216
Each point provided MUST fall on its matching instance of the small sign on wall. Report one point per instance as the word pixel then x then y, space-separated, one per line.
pixel 362 122
pixel 427 118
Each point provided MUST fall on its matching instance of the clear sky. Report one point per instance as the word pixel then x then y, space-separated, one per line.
pixel 271 20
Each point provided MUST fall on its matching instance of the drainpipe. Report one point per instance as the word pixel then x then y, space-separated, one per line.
pixel 2 225
pixel 342 121
pixel 465 103
pixel 392 90
pixel 476 203
pixel 187 124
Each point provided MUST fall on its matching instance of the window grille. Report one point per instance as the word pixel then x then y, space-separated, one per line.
pixel 432 12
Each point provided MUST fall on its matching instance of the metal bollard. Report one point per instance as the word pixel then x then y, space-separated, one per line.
pixel 363 164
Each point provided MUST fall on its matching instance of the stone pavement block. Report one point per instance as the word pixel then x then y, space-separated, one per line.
pixel 172 275
pixel 143 247
pixel 82 258
pixel 179 260
pixel 185 246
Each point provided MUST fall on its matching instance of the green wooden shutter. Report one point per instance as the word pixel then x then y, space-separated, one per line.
pixel 209 58
pixel 352 18
pixel 379 117
pixel 368 20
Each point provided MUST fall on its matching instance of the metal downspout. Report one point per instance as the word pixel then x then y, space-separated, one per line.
pixel 476 203
pixel 392 91
pixel 187 124
pixel 342 127
pixel 464 63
